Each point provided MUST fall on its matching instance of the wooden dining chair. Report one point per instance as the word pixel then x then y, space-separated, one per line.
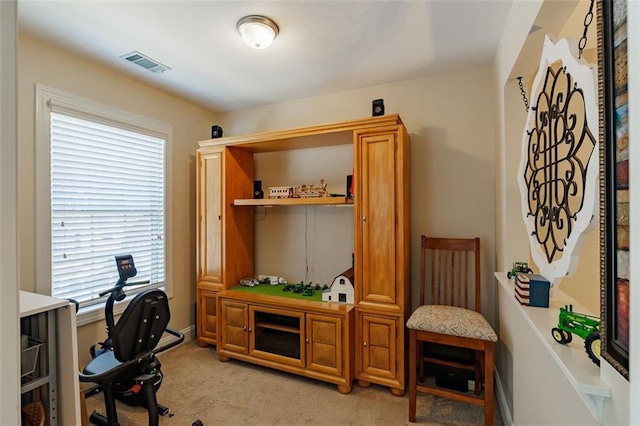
pixel 449 320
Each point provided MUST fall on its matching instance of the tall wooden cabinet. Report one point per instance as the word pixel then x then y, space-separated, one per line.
pixel 224 254
pixel 382 246
pixel 381 258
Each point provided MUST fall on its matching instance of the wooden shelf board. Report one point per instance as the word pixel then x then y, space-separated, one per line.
pixel 328 201
pixel 273 326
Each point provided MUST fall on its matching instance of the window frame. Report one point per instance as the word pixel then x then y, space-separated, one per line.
pixel 48 99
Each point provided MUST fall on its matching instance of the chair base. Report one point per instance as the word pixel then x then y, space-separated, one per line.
pixel 452 383
pixel 485 399
pixel 154 410
pixel 98 419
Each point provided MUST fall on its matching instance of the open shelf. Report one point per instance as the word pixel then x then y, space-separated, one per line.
pixel 579 370
pixel 283 328
pixel 326 201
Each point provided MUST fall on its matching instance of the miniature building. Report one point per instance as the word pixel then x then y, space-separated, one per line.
pixel 341 290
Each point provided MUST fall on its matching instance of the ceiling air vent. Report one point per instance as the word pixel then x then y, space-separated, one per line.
pixel 145 62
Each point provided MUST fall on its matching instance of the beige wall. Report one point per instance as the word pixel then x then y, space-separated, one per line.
pixel 451 123
pixel 43 64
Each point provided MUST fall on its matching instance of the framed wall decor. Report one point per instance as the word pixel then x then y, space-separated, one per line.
pixel 614 187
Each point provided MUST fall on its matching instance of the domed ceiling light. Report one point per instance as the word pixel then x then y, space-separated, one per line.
pixel 257 31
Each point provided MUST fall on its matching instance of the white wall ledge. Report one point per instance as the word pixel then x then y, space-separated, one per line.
pixel 572 358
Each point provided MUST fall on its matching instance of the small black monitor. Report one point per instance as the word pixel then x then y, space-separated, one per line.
pixel 126 267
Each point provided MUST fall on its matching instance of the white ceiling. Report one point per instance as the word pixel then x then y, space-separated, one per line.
pixel 323 46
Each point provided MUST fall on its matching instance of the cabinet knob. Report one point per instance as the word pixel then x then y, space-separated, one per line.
pixel 365 344
pixel 364 218
pixel 249 329
pixel 219 217
pixel 244 328
pixel 307 340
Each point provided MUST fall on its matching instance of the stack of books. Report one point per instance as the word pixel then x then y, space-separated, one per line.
pixel 532 290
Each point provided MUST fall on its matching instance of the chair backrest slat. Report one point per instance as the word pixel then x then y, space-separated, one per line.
pixel 451 269
pixel 434 288
pixel 423 278
pixel 465 274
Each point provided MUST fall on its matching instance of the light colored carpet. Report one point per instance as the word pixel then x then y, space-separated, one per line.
pixel 197 386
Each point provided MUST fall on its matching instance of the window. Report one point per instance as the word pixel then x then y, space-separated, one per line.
pixel 103 187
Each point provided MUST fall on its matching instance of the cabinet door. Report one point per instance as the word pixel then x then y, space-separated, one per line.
pixel 376 265
pixel 276 335
pixel 324 344
pixel 234 333
pixel 377 348
pixel 209 200
pixel 207 317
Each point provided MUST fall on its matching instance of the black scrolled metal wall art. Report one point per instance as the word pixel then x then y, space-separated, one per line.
pixel 559 165
pixel 558 150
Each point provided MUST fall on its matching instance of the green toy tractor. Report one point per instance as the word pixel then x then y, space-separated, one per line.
pixel 519 267
pixel 585 326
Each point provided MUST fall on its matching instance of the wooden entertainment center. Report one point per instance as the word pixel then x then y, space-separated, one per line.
pixel 329 341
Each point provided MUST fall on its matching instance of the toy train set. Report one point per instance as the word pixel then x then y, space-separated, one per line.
pixel 300 191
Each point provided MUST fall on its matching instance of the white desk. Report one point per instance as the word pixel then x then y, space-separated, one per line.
pixel 54 321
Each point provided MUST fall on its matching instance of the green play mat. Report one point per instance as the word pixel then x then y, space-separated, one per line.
pixel 277 290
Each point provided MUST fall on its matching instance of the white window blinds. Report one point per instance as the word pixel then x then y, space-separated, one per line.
pixel 107 198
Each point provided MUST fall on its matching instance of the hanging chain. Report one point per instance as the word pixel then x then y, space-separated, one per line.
pixel 524 95
pixel 588 19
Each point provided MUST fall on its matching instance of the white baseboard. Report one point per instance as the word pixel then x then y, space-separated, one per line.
pixel 502 399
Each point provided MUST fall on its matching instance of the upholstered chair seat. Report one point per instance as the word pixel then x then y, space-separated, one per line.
pixel 453 321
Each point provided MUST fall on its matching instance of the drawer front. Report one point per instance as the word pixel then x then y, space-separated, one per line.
pixel 324 344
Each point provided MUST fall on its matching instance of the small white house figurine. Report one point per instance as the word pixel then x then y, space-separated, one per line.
pixel 341 289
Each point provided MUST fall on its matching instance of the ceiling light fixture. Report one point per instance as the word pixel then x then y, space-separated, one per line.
pixel 257 31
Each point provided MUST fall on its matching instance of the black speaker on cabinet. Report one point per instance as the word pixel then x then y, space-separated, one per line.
pixel 377 107
pixel 216 132
pixel 257 189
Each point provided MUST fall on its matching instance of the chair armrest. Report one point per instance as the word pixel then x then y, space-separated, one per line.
pixel 172 343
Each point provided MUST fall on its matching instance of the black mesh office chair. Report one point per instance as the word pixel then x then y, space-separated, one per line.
pixel 128 368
